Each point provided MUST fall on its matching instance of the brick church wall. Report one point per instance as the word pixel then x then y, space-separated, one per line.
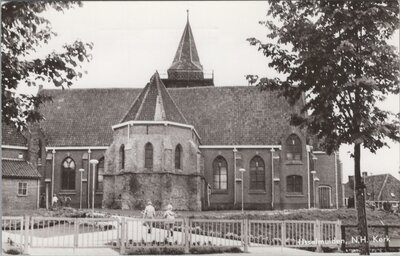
pixel 327 177
pixel 74 194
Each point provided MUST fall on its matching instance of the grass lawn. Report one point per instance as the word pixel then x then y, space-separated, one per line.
pixel 347 216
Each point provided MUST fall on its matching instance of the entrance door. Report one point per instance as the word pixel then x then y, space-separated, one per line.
pixel 324 193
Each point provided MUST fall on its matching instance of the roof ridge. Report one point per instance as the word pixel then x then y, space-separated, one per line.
pixel 383 186
pixel 13 159
pixel 146 92
pixel 173 102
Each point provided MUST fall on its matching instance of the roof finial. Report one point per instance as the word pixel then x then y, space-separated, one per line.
pixel 187 15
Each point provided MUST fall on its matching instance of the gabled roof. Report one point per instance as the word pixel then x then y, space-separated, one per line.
pixel 186 56
pixel 154 104
pixel 11 136
pixel 378 187
pixel 235 115
pixel 17 168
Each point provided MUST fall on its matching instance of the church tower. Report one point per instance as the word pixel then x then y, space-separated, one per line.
pixel 186 69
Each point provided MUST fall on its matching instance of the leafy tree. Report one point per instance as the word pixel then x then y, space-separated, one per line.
pixel 335 52
pixel 24 30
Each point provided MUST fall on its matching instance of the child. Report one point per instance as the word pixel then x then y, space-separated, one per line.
pixel 149 213
pixel 170 216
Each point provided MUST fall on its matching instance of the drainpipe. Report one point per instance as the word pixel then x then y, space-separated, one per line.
pixel 336 182
pixel 128 131
pixel 52 173
pixel 38 194
pixel 272 179
pixel 88 179
pixel 234 171
pixel 308 181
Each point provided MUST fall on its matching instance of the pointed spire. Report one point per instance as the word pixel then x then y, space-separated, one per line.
pixel 154 104
pixel 186 57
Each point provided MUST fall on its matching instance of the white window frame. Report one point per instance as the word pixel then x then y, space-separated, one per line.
pixel 22 188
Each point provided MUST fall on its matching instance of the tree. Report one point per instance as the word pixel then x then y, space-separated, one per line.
pixel 335 52
pixel 24 30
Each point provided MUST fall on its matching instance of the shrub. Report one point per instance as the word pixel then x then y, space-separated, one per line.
pixel 387 206
pixel 214 249
pixel 14 251
pixel 155 251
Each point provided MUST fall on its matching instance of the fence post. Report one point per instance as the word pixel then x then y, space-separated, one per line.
pixel 317 230
pixel 343 237
pixel 121 239
pixel 386 238
pixel 186 226
pixel 246 235
pixel 26 234
pixel 76 233
pixel 283 233
pixel 338 234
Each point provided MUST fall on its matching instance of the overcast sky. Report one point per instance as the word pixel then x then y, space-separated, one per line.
pixel 134 39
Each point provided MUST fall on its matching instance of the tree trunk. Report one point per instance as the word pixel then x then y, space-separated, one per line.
pixel 360 197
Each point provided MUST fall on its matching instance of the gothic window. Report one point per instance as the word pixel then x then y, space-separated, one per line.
pixel 178 153
pixel 68 174
pixel 122 157
pixel 99 175
pixel 293 147
pixel 294 184
pixel 220 173
pixel 257 174
pixel 148 156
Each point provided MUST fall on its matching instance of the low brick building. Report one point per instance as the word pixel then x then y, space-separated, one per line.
pixel 181 140
pixel 20 178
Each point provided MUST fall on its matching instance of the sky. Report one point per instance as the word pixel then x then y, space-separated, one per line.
pixel 134 39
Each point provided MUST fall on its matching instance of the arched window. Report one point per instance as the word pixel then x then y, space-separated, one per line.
pixel 220 173
pixel 294 184
pixel 122 157
pixel 178 153
pixel 257 173
pixel 99 175
pixel 148 156
pixel 293 147
pixel 68 174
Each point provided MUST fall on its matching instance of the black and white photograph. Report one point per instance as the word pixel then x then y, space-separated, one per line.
pixel 200 127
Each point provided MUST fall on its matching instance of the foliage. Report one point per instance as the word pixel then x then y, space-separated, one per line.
pixel 336 54
pixel 24 30
pixel 155 251
pixel 214 249
pixel 387 206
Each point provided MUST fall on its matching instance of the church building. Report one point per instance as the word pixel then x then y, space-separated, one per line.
pixel 180 140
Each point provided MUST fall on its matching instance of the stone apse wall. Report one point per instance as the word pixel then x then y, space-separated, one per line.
pixel 132 186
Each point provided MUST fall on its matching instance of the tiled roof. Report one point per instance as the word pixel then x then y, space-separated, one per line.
pixel 186 57
pixel 11 136
pixel 234 115
pixel 154 104
pixel 15 168
pixel 378 187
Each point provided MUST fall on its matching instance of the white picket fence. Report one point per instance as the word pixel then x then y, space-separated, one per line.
pixel 126 233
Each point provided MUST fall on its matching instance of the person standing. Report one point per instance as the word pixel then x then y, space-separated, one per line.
pixel 170 216
pixel 54 201
pixel 149 213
